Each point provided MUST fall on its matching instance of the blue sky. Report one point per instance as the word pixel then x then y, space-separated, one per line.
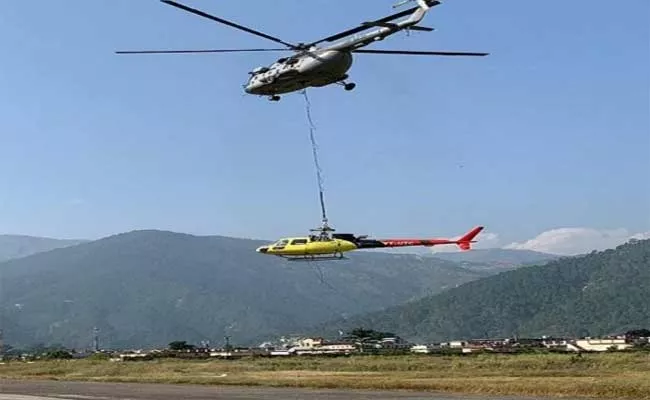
pixel 550 131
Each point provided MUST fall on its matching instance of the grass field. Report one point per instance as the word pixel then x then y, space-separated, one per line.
pixel 608 375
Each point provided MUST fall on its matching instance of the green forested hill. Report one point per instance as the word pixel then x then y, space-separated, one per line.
pixel 16 246
pixel 596 294
pixel 497 259
pixel 149 288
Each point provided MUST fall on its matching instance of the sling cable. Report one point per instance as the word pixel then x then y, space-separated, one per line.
pixel 325 228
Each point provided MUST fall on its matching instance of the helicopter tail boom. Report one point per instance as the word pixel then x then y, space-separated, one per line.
pixel 464 243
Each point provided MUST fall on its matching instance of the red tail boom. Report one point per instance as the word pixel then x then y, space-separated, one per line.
pixel 464 243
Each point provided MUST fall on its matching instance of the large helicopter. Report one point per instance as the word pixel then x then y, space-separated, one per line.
pixel 331 246
pixel 314 66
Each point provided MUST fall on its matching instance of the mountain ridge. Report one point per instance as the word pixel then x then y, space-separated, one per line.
pixel 594 294
pixel 497 255
pixel 18 246
pixel 150 287
pixel 496 259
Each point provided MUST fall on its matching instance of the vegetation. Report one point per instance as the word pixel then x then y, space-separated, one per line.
pixel 147 288
pixel 501 259
pixel 56 351
pixel 605 375
pixel 58 355
pixel 360 334
pixel 638 333
pixel 98 357
pixel 598 294
pixel 181 345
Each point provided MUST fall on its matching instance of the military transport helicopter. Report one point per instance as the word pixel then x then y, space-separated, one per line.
pixel 326 246
pixel 313 66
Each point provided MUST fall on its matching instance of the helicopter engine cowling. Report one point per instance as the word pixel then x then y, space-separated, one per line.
pixel 345 236
pixel 329 62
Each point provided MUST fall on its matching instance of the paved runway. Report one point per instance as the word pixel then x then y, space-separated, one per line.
pixel 52 390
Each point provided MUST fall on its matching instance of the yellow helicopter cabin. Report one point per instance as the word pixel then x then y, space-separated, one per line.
pixel 309 248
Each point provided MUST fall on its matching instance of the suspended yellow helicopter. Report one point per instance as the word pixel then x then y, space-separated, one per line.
pixel 326 246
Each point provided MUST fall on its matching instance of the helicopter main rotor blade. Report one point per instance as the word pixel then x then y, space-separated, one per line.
pixel 369 25
pixel 229 23
pixel 195 51
pixel 420 53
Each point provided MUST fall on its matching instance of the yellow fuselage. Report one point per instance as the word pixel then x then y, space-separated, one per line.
pixel 307 247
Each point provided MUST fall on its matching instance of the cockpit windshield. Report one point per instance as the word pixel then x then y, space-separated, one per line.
pixel 254 73
pixel 259 70
pixel 280 243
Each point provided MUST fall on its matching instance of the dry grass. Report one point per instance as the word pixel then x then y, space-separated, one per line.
pixel 610 375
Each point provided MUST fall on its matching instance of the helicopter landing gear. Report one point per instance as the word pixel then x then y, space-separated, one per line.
pixel 347 86
pixel 274 98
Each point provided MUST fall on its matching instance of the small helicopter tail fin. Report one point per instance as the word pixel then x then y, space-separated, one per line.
pixel 425 5
pixel 420 11
pixel 465 242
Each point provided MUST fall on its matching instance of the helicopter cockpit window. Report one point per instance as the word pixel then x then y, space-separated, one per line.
pixel 299 241
pixel 281 243
pixel 254 74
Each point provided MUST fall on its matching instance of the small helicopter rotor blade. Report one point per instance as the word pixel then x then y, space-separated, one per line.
pixel 229 23
pixel 195 51
pixel 420 53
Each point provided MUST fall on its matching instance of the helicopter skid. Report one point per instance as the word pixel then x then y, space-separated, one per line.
pixel 316 257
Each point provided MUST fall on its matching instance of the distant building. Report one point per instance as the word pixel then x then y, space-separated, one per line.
pixel 599 345
pixel 394 343
pixel 311 342
pixel 420 349
pixel 316 346
pixel 344 348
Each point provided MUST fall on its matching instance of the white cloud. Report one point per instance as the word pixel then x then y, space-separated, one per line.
pixel 573 241
pixel 641 236
pixel 487 240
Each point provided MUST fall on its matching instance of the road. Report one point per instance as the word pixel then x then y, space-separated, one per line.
pixel 51 390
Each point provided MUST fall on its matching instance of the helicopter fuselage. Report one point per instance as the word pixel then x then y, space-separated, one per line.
pixel 308 246
pixel 314 68
pixel 333 246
